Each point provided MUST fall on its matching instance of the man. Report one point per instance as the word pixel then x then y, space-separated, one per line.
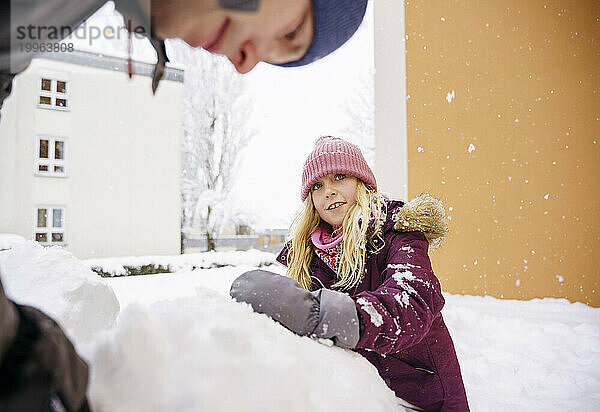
pixel 39 368
pixel 282 32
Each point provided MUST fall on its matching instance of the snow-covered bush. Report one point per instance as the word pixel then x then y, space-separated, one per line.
pixel 145 265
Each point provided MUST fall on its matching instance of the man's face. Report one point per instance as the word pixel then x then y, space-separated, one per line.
pixel 280 31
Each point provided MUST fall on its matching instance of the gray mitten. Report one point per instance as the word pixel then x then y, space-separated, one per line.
pixel 323 313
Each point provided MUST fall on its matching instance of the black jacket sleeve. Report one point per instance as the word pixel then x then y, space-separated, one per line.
pixel 39 367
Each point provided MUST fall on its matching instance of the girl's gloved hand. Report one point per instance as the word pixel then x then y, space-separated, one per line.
pixel 323 313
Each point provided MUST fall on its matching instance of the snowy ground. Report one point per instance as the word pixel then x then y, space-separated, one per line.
pixel 538 355
pixel 179 343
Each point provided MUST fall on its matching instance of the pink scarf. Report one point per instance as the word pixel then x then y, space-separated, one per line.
pixel 327 248
pixel 322 239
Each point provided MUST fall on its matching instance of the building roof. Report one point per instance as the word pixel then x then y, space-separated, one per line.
pixel 112 63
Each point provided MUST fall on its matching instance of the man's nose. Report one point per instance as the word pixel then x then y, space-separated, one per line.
pixel 253 51
pixel 247 57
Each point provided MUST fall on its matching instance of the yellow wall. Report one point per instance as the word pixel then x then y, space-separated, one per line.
pixel 523 202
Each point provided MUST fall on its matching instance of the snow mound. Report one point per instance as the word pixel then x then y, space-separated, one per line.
pixel 8 240
pixel 210 353
pixel 53 280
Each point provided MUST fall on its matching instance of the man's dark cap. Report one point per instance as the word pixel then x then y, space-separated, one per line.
pixel 335 21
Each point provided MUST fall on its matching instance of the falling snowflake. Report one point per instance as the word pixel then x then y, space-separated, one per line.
pixel 450 96
pixel 471 148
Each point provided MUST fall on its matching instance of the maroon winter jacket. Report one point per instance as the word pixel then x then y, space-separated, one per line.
pixel 402 330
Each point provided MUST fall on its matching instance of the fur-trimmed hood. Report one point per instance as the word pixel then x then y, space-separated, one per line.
pixel 424 214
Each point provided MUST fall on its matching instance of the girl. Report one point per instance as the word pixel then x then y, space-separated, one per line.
pixel 359 274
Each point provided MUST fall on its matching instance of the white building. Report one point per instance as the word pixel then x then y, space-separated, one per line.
pixel 90 159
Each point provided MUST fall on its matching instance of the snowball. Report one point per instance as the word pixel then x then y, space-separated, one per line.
pixel 54 281
pixel 8 240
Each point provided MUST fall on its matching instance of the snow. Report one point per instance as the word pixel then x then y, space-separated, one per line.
pixel 180 343
pixel 540 355
pixel 167 286
pixel 53 280
pixel 8 240
pixel 402 298
pixel 367 306
pixel 179 263
pixel 231 359
pixel 408 250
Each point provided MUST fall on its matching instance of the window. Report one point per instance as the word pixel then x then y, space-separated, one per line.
pixel 54 92
pixel 51 156
pixel 50 225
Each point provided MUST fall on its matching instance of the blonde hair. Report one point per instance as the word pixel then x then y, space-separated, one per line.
pixel 361 227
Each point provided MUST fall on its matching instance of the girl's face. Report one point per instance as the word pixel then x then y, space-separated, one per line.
pixel 332 196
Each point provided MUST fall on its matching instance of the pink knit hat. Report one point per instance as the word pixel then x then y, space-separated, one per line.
pixel 335 155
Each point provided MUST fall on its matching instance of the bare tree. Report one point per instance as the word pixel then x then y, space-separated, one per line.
pixel 215 113
pixel 360 109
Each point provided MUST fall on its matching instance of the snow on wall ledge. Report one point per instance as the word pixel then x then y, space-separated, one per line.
pixel 54 281
pixel 117 266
